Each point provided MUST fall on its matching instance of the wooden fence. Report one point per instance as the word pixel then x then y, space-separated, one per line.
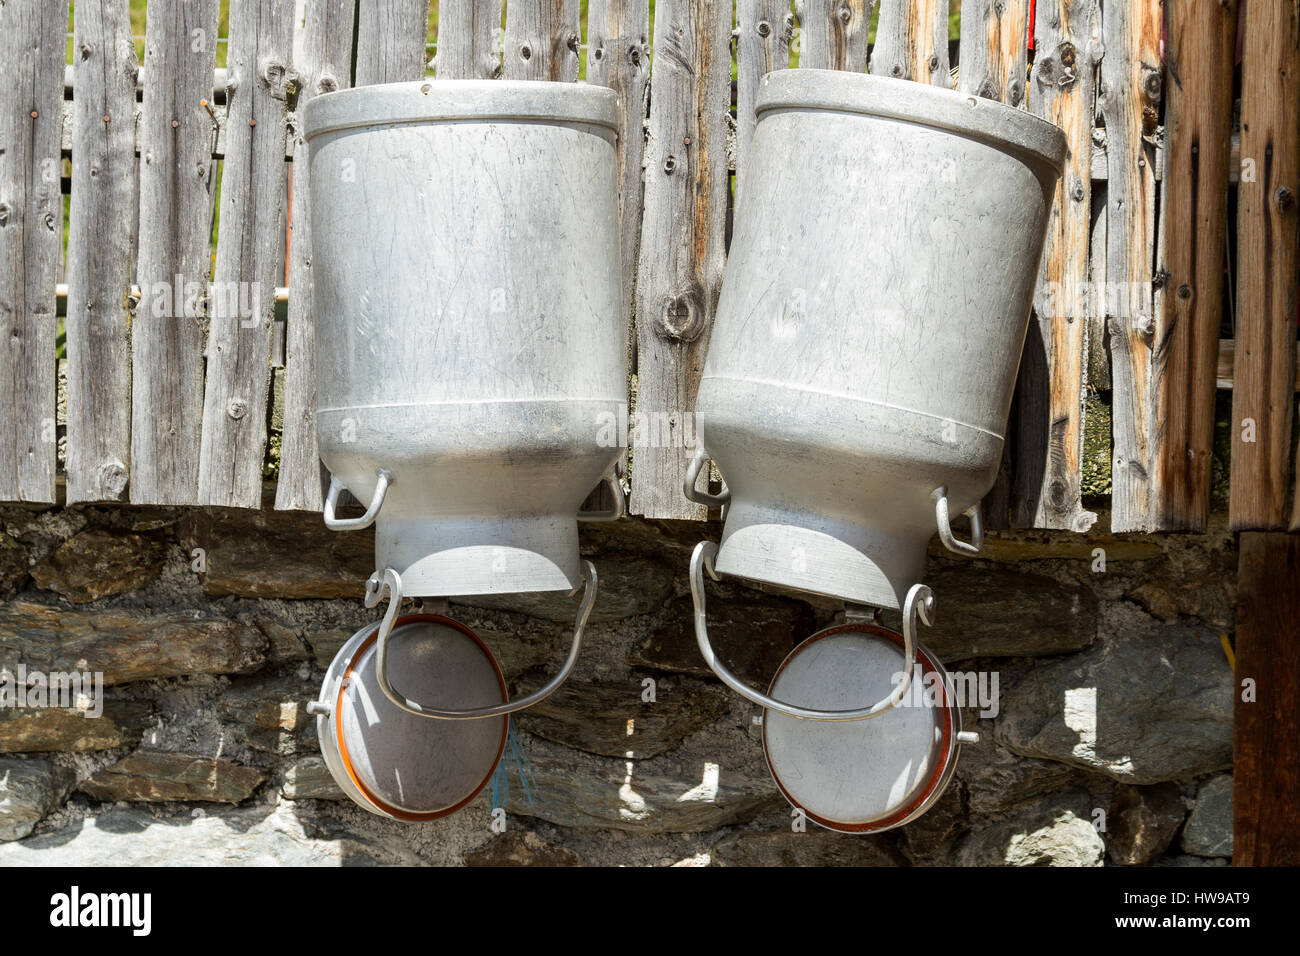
pixel 1167 219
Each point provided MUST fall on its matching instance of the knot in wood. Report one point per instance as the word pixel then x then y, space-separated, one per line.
pixel 764 28
pixel 1285 199
pixel 237 408
pixel 112 478
pixel 845 13
pixel 1152 85
pixel 525 52
pixel 681 317
pixel 670 163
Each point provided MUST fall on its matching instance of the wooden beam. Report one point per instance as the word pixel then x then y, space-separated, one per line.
pixel 1266 723
pixel 1049 430
pixel 1198 126
pixel 324 58
pixel 894 53
pixel 763 33
pixel 682 252
pixel 1267 249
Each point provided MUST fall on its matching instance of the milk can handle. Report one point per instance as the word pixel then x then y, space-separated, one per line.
pixel 694 494
pixel 940 498
pixel 366 520
pixel 919 604
pixel 620 502
pixel 392 581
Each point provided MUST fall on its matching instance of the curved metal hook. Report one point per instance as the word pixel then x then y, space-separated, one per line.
pixel 620 501
pixel 940 498
pixel 372 512
pixel 694 494
pixel 919 604
pixel 391 581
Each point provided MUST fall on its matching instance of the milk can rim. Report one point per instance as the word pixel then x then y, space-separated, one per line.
pixel 909 101
pixel 433 101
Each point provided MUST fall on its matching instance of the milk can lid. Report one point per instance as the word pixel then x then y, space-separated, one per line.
pixel 869 775
pixel 412 767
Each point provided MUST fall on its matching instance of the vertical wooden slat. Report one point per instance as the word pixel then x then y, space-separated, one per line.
pixel 542 40
pixel 31 223
pixel 1129 98
pixel 175 222
pixel 1049 430
pixel 466 40
pixel 390 40
pixel 241 307
pixel 930 62
pixel 1198 130
pixel 894 53
pixel 763 30
pixel 618 56
pixel 833 33
pixel 1266 266
pixel 1266 735
pixel 99 252
pixel 994 48
pixel 682 254
pixel 323 64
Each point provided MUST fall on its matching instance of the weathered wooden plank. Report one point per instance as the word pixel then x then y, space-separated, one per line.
pixel 100 268
pixel 1049 429
pixel 31 223
pixel 167 330
pixel 1266 732
pixel 618 40
pixel 832 33
pixel 681 259
pixel 894 53
pixel 390 40
pixel 1049 402
pixel 322 65
pixel 241 307
pixel 542 40
pixel 1129 99
pixel 763 31
pixel 1267 249
pixel 467 48
pixel 994 48
pixel 930 62
pixel 1198 125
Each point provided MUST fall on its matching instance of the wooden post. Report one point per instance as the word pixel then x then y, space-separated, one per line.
pixel 1266 728
pixel 241 309
pixel 1198 130
pixel 167 329
pixel 896 33
pixel 99 253
pixel 1268 200
pixel 681 260
pixel 542 40
pixel 324 65
pixel 832 34
pixel 1049 430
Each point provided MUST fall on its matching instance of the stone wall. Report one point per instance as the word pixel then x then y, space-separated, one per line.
pixel 1112 744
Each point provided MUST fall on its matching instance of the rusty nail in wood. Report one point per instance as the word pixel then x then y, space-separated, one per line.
pixel 35 114
pixel 175 124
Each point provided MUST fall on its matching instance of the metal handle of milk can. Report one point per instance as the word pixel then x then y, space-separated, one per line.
pixel 391 581
pixel 694 494
pixel 620 502
pixel 940 498
pixel 372 512
pixel 918 604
